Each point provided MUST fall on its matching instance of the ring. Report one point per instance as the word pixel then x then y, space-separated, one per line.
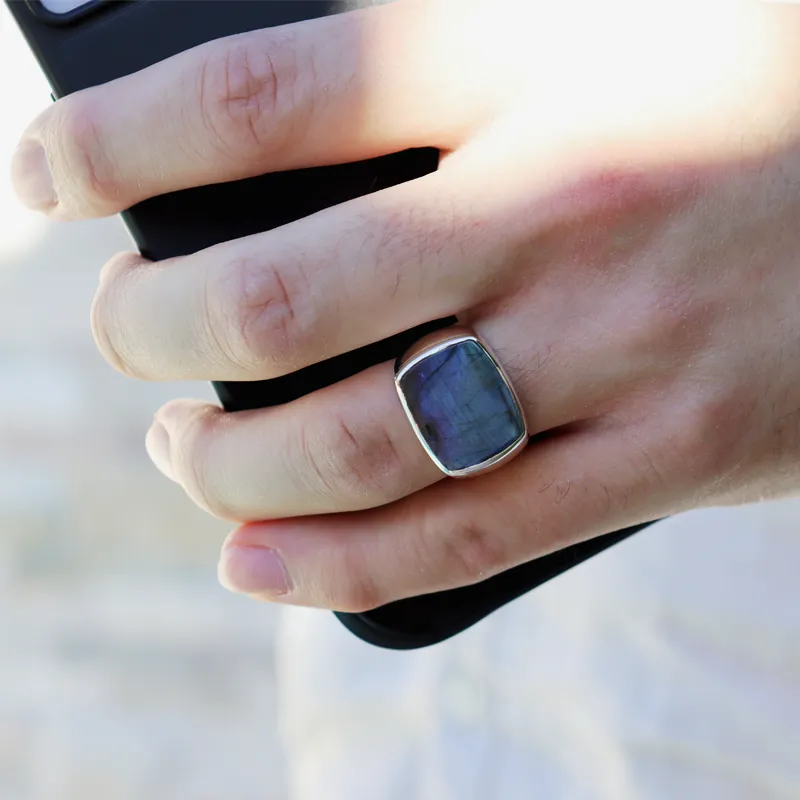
pixel 460 403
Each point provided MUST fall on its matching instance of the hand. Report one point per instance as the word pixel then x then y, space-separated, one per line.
pixel 617 215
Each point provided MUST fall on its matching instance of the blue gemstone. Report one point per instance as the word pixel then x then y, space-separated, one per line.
pixel 462 406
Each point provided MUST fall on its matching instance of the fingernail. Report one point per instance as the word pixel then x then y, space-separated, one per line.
pixel 248 569
pixel 157 444
pixel 30 175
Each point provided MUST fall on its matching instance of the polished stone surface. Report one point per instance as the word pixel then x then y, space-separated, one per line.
pixel 462 406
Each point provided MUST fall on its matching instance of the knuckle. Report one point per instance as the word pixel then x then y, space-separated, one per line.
pixel 471 551
pixel 707 437
pixel 672 319
pixel 353 588
pixel 256 318
pixel 365 462
pixel 250 95
pixel 360 463
pixel 613 212
pixel 617 194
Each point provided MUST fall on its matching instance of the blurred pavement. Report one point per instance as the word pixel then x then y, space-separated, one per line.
pixel 125 670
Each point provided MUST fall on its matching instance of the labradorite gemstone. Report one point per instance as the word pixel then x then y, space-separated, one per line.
pixel 462 406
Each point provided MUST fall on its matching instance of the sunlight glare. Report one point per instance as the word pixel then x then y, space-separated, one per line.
pixel 24 92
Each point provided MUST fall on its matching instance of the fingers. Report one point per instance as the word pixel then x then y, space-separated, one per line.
pixel 477 231
pixel 344 87
pixel 269 304
pixel 348 446
pixel 455 533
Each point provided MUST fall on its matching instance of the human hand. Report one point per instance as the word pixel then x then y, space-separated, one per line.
pixel 616 214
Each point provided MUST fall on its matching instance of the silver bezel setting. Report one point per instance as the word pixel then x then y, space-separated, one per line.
pixel 431 345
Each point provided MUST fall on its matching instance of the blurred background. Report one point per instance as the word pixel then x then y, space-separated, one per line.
pixel 668 667
pixel 125 670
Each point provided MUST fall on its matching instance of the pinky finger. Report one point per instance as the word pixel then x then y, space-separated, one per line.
pixel 563 490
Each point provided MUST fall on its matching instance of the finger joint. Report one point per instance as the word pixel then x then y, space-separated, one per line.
pixel 249 95
pixel 257 317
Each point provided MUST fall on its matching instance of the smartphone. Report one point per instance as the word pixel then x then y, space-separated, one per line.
pixel 81 44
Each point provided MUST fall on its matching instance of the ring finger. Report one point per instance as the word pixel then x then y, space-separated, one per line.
pixel 350 446
pixel 344 448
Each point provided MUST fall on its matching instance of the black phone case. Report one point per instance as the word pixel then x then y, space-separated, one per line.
pixel 105 40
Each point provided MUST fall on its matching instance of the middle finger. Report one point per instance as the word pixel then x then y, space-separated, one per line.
pixel 272 303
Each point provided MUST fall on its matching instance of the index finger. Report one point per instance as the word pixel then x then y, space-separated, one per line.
pixel 331 90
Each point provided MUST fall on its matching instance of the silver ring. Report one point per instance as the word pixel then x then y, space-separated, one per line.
pixel 460 403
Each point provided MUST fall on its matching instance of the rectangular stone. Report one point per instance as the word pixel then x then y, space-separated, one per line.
pixel 465 411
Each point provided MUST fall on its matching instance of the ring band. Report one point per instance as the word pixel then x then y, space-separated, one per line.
pixel 460 403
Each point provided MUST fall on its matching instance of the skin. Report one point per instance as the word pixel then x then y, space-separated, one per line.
pixel 616 214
